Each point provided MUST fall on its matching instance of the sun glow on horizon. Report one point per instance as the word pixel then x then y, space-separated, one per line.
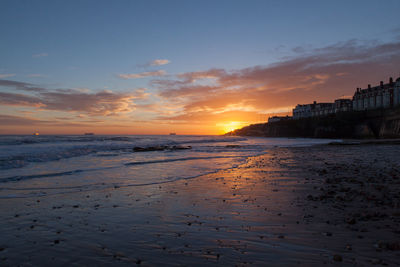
pixel 227 127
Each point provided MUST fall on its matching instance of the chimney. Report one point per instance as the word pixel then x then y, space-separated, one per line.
pixel 391 80
pixel 381 83
pixel 369 86
pixel 315 102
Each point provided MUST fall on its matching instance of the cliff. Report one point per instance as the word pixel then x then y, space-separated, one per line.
pixel 384 123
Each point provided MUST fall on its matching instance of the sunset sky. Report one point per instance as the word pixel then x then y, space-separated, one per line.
pixel 190 67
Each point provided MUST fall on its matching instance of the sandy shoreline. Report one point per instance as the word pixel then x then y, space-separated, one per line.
pixel 292 206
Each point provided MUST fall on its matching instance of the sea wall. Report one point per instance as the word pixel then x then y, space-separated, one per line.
pixel 384 123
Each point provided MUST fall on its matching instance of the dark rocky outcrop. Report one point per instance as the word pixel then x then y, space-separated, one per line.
pixel 384 123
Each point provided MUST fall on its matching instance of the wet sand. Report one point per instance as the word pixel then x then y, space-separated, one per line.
pixel 332 205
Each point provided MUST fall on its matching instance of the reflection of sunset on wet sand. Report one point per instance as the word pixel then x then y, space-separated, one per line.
pixel 257 213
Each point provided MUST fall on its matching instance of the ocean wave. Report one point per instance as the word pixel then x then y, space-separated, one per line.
pixel 43 155
pixel 73 172
pixel 214 140
pixel 44 175
pixel 47 175
pixel 62 190
pixel 157 140
pixel 13 157
pixel 23 150
pixel 179 159
pixel 25 140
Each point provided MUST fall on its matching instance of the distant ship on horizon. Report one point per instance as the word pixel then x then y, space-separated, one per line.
pixel 89 133
pixel 172 134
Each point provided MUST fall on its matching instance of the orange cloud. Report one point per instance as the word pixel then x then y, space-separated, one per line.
pixel 322 74
pixel 209 101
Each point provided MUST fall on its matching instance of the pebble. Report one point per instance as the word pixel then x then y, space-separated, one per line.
pixel 337 257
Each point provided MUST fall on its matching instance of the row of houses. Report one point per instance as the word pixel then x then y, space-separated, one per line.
pixel 322 109
pixel 278 118
pixel 381 96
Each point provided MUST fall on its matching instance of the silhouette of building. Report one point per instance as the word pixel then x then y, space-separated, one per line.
pixel 278 118
pixel 303 111
pixel 322 109
pixel 381 96
pixel 313 110
pixel 343 105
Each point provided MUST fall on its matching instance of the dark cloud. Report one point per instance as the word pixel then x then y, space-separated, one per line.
pixel 21 86
pixel 102 103
pixel 9 120
pixel 12 99
pixel 105 103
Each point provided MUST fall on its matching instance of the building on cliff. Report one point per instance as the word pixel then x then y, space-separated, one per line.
pixel 278 118
pixel 343 105
pixel 381 96
pixel 303 111
pixel 321 109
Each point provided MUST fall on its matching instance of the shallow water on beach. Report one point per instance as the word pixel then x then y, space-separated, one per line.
pixel 34 166
pixel 257 213
pixel 241 215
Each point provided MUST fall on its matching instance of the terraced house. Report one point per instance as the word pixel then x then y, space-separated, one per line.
pixel 381 96
pixel 378 97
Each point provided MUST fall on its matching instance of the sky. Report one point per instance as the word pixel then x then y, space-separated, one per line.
pixel 189 67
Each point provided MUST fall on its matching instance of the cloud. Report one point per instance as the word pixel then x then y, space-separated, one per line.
pixel 104 103
pixel 40 55
pixel 9 120
pixel 190 77
pixel 6 75
pixel 16 120
pixel 159 62
pixel 141 93
pixel 214 95
pixel 142 75
pixel 21 86
pixel 321 74
pixel 12 99
pixel 35 75
pixel 186 91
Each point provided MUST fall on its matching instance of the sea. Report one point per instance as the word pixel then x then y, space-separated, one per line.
pixel 36 166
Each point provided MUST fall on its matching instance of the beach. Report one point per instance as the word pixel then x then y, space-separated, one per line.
pixel 293 206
